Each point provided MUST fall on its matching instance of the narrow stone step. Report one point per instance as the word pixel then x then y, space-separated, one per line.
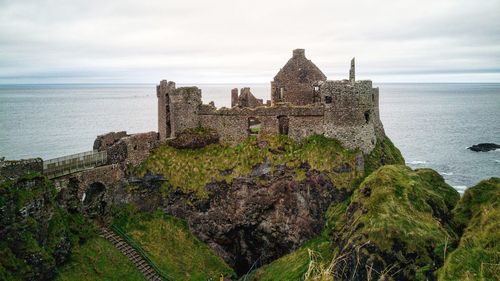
pixel 140 263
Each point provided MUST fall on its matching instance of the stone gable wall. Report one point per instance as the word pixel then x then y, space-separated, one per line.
pixel 296 81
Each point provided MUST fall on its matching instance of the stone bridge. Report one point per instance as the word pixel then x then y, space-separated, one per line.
pixel 93 180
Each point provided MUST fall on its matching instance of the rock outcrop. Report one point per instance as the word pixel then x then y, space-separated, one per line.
pixel 247 221
pixel 484 147
pixel 261 199
pixel 195 138
pixel 396 226
pixel 477 218
pixel 36 234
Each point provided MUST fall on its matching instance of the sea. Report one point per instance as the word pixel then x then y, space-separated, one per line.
pixel 432 124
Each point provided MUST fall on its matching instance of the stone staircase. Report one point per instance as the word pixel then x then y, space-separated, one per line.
pixel 141 264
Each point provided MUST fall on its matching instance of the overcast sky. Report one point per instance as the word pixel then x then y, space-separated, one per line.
pixel 65 41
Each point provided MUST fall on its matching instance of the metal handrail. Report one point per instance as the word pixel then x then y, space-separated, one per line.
pixel 140 251
pixel 73 163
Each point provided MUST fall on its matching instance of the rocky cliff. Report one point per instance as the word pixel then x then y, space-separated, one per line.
pixel 263 198
pixel 36 234
pixel 308 210
pixel 401 224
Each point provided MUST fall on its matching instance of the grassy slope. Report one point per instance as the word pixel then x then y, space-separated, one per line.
pixel 401 217
pixel 384 153
pixel 98 259
pixel 190 170
pixel 172 247
pixel 294 265
pixel 477 215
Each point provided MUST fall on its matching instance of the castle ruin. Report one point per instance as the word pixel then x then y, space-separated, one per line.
pixel 303 103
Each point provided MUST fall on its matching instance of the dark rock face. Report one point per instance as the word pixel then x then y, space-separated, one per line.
pixel 36 234
pixel 484 147
pixel 248 220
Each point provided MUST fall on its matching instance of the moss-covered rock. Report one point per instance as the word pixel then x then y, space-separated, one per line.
pixel 225 192
pixel 477 216
pixel 195 138
pixel 36 234
pixel 396 225
pixel 384 153
pixel 190 170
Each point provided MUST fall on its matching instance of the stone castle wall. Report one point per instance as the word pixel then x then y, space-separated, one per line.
pixel 304 103
pixel 130 149
pixel 11 169
pixel 104 141
pixel 347 111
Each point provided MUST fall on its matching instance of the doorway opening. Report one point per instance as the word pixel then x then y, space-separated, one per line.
pixel 254 126
pixel 283 124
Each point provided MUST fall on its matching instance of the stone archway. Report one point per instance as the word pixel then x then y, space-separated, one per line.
pixel 93 200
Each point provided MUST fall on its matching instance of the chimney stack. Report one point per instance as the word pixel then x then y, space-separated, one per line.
pixel 352 72
pixel 299 53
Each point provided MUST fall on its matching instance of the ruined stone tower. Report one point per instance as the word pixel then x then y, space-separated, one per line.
pixel 177 108
pixel 352 72
pixel 297 82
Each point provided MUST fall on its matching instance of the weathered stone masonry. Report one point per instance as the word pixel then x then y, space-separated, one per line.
pixel 303 103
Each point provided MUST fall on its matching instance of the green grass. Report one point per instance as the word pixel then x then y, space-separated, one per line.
pixel 405 219
pixel 98 259
pixel 477 215
pixel 384 153
pixel 294 265
pixel 401 205
pixel 190 170
pixel 169 243
pixel 405 216
pixel 32 246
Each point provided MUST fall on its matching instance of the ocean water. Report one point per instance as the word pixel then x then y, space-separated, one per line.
pixel 432 124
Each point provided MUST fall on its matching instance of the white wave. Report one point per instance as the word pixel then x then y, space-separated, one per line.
pixel 417 162
pixel 460 188
pixel 447 174
pixel 496 160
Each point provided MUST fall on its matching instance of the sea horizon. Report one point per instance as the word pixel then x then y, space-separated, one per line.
pixel 85 110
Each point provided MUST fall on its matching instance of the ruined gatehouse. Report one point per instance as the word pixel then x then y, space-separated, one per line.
pixel 303 103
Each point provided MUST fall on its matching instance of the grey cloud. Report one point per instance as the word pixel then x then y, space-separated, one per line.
pixel 228 40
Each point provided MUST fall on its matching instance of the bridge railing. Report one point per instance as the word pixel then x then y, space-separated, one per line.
pixel 74 163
